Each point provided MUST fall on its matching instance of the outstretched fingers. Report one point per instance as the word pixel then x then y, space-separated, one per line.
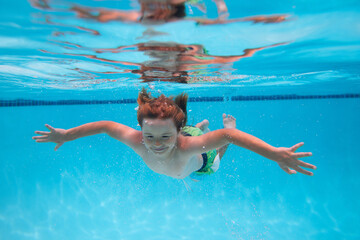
pixel 287 170
pixel 291 164
pixel 296 146
pixel 303 171
pixel 42 140
pixel 302 154
pixel 42 132
pixel 40 137
pixel 58 145
pixel 295 170
pixel 44 135
pixel 50 127
pixel 304 164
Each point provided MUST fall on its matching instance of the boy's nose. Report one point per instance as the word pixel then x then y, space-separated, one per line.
pixel 157 143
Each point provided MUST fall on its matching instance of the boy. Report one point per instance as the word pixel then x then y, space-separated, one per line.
pixel 164 148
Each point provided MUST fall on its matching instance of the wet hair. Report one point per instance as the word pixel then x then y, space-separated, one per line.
pixel 180 10
pixel 162 107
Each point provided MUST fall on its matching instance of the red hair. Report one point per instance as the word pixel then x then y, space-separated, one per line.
pixel 162 107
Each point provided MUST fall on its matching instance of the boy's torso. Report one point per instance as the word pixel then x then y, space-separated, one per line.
pixel 174 167
pixel 179 165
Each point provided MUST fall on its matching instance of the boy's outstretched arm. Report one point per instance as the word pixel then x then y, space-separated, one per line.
pixel 285 157
pixel 125 134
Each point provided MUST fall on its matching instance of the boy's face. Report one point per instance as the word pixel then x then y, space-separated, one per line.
pixel 160 136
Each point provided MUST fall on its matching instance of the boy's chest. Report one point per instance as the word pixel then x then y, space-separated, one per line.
pixel 175 167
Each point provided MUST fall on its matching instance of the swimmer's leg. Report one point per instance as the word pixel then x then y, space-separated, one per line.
pixel 204 126
pixel 229 122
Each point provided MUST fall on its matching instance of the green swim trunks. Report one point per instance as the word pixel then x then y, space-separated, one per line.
pixel 208 157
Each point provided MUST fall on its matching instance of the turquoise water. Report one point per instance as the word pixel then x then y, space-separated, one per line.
pixel 96 188
pixel 306 88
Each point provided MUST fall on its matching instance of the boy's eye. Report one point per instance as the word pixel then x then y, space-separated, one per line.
pixel 165 137
pixel 149 137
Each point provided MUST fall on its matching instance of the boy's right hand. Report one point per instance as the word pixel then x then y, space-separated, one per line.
pixel 56 135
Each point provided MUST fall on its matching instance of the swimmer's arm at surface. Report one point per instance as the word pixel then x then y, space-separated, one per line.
pixel 285 157
pixel 125 134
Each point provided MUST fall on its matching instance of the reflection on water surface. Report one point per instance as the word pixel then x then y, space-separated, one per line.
pixel 197 44
pixel 160 60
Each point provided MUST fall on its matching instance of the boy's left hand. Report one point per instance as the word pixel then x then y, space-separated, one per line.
pixel 288 160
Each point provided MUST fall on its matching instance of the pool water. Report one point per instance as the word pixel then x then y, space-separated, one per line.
pixel 64 70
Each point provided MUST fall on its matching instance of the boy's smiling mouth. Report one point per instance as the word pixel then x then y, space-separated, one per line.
pixel 159 150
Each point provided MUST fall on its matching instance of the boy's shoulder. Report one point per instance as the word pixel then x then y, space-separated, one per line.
pixel 185 143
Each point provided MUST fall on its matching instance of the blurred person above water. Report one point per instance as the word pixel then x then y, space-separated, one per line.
pixel 168 61
pixel 153 12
